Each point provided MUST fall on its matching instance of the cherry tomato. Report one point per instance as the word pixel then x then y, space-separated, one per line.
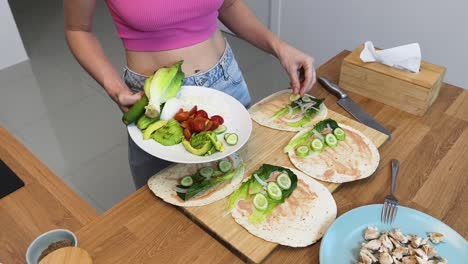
pixel 214 126
pixel 193 111
pixel 181 116
pixel 208 125
pixel 185 124
pixel 202 113
pixel 198 124
pixel 217 119
pixel 187 134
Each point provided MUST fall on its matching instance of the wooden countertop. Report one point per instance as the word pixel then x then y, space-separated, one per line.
pixel 44 203
pixel 432 150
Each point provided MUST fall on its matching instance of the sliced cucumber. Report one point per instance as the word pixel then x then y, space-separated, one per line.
pixel 274 191
pixel 260 202
pixel 294 97
pixel 339 133
pixel 302 151
pixel 186 181
pixel 284 182
pixel 224 166
pixel 221 129
pixel 317 145
pixel 226 135
pixel 206 172
pixel 331 140
pixel 231 139
pixel 306 99
pixel 217 173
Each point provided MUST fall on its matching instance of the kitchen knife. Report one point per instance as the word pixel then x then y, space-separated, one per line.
pixel 351 107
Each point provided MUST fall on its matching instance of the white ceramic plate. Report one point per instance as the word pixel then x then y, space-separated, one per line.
pixel 236 119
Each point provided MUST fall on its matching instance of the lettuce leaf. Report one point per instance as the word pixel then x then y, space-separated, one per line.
pixel 319 127
pixel 263 173
pixel 309 114
pixel 202 184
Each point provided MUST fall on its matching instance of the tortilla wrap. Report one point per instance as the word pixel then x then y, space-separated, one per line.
pixel 300 221
pixel 262 112
pixel 352 159
pixel 164 183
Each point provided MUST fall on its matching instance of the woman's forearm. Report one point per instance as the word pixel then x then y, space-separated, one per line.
pixel 87 50
pixel 236 16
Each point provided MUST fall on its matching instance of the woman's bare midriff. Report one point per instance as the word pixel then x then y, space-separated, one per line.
pixel 199 57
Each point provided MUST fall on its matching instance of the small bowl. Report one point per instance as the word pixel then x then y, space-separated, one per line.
pixel 43 241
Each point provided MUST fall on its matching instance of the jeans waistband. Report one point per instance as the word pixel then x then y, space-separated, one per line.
pixel 219 68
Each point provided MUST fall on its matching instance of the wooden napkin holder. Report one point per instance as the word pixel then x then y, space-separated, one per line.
pixel 407 91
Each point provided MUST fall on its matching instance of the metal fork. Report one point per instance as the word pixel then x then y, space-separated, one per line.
pixel 390 206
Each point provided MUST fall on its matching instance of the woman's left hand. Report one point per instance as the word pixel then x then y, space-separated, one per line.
pixel 299 67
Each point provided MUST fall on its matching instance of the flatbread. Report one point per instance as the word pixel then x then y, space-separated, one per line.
pixel 262 112
pixel 354 158
pixel 300 221
pixel 164 183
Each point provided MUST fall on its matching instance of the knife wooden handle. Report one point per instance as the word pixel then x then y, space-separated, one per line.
pixel 332 87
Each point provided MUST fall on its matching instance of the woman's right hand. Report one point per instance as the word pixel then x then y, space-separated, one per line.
pixel 126 98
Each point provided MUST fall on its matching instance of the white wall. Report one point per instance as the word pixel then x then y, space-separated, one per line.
pixel 11 47
pixel 324 28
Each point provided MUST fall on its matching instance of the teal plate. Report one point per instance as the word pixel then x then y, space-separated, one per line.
pixel 342 241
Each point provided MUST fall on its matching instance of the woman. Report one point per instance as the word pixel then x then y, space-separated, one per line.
pixel 157 33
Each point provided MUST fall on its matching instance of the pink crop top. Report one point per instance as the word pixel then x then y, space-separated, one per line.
pixel 157 25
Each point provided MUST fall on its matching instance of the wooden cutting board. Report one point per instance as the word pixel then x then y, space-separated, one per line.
pixel 265 146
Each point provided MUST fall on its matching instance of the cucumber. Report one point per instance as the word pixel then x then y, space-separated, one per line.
pixel 283 181
pixel 221 129
pixel 339 133
pixel 144 122
pixel 206 172
pixel 260 202
pixel 302 151
pixel 231 139
pixel 317 145
pixel 186 181
pixel 135 111
pixel 294 97
pixel 331 140
pixel 306 99
pixel 217 173
pixel 224 166
pixel 274 191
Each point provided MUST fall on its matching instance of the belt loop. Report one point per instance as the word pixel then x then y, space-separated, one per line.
pixel 224 68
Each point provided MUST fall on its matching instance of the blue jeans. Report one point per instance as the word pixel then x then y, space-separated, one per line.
pixel 225 76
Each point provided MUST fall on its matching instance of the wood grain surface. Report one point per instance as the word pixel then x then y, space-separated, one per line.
pixel 265 146
pixel 144 229
pixel 432 150
pixel 44 203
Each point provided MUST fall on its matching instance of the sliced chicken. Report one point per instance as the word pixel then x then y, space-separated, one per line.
pixel 373 244
pixel 385 258
pixel 399 236
pixel 430 251
pixel 386 242
pixel 409 260
pixel 371 233
pixel 435 237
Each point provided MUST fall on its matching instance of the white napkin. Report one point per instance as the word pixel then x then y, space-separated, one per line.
pixel 406 57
